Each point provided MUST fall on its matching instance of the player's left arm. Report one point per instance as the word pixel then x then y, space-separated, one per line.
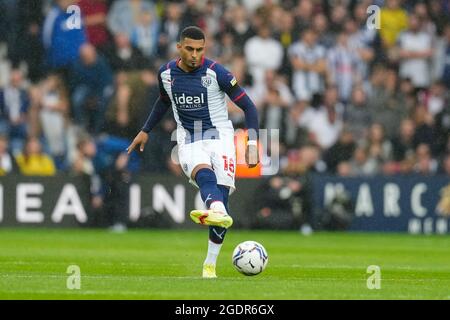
pixel 237 94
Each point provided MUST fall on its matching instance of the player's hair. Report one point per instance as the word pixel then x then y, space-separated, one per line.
pixel 192 32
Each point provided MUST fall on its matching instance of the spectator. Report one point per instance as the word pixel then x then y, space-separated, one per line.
pixel 117 179
pixel 435 99
pixel 14 108
pixel 378 146
pixel 357 115
pixel 320 26
pixel 51 99
pixel 276 103
pixel 441 137
pixel 424 130
pixel 124 15
pixel 358 43
pixel 342 151
pixel 33 162
pixel 442 59
pixel 7 163
pixel 122 56
pixel 415 51
pixel 344 67
pixel 393 20
pixel 389 106
pixel 83 165
pixel 239 25
pixel 309 64
pixel 145 35
pixel 170 30
pixel 324 124
pixel 263 53
pixel 91 80
pixel 362 164
pixel 29 48
pixel 94 14
pixel 61 42
pixel 424 163
pixel 403 145
pixel 134 94
pixel 445 169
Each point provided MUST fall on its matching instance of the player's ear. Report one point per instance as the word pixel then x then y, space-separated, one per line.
pixel 178 45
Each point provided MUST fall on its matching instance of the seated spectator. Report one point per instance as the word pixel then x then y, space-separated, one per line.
pixel 33 162
pixel 391 105
pixel 91 82
pixel 7 163
pixel 324 124
pixel 51 98
pixel 122 56
pixel 341 151
pixel 357 116
pixel 145 35
pixel 362 163
pixel 425 163
pixel 445 168
pixel 124 15
pixel 424 122
pixel 170 29
pixel 379 147
pixel 14 107
pixel 133 97
pixel 441 141
pixel 435 98
pixel 403 149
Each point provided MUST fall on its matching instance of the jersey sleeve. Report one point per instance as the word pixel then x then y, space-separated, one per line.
pixel 163 96
pixel 226 80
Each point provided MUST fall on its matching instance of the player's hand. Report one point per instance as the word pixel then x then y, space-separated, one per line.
pixel 252 155
pixel 140 140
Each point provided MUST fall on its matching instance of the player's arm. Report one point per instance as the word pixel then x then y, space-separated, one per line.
pixel 228 84
pixel 159 109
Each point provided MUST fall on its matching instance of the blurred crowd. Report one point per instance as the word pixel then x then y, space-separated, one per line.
pixel 348 99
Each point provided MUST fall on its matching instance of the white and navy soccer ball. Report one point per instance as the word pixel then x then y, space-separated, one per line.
pixel 250 258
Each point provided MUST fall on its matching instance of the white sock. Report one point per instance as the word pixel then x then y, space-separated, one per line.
pixel 213 252
pixel 218 206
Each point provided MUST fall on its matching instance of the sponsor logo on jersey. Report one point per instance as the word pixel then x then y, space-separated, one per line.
pixel 184 101
pixel 233 81
pixel 206 81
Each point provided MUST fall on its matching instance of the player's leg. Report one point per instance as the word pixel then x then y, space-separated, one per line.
pixel 217 234
pixel 216 213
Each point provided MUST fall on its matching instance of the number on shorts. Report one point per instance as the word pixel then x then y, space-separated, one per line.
pixel 228 164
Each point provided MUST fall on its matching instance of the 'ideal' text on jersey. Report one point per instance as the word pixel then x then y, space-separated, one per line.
pixel 198 95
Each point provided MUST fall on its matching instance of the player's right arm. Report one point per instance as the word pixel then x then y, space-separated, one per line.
pixel 159 109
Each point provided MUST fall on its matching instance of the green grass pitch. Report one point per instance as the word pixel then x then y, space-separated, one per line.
pixel 166 264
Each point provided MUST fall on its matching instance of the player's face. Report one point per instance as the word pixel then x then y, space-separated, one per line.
pixel 191 52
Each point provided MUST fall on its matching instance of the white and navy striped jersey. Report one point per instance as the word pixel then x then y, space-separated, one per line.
pixel 197 96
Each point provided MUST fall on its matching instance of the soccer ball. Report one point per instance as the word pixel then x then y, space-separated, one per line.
pixel 250 258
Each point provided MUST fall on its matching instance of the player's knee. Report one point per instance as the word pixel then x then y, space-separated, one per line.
pixel 205 175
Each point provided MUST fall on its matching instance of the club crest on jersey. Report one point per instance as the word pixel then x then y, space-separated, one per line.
pixel 206 81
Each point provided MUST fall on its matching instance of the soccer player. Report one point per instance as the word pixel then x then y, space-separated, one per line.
pixel 195 88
